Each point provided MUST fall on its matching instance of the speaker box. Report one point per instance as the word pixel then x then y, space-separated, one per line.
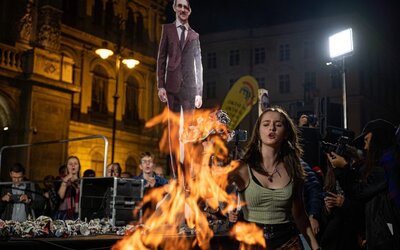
pixel 112 198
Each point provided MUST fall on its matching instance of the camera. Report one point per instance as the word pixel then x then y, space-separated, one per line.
pixel 15 197
pixel 240 135
pixel 340 147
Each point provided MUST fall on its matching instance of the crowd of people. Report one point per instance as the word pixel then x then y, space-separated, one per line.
pixel 59 197
pixel 355 204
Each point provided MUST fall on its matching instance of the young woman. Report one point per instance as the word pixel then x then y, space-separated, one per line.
pixel 270 180
pixel 69 191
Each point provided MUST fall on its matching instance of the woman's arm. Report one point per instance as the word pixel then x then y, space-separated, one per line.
pixel 300 216
pixel 239 175
pixel 64 184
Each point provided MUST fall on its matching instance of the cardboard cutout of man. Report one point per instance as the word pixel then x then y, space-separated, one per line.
pixel 179 68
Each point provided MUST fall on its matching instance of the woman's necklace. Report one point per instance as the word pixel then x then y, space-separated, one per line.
pixel 270 176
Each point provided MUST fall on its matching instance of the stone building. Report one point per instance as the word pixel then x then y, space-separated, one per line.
pixel 53 86
pixel 289 60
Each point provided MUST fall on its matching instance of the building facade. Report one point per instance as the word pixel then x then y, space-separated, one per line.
pixel 289 60
pixel 53 86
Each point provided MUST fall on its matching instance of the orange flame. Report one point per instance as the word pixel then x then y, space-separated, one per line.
pixel 177 204
pixel 249 234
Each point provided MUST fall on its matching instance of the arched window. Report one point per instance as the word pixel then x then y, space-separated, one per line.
pixel 132 166
pixel 99 91
pixel 97 163
pixel 132 102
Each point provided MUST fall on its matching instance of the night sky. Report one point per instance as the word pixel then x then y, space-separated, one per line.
pixel 221 15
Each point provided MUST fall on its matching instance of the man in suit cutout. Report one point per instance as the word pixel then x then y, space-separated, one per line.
pixel 179 68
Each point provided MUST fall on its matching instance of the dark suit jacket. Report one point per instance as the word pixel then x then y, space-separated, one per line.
pixel 179 71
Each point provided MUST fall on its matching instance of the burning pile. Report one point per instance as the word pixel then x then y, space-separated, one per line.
pixel 197 142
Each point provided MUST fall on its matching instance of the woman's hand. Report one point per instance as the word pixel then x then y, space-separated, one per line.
pixel 336 160
pixel 233 216
pixel 333 200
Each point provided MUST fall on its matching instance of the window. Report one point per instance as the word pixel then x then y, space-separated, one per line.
pixel 99 91
pixel 261 82
pixel 212 60
pixel 284 52
pixel 132 102
pixel 284 84
pixel 211 89
pixel 259 55
pixel 234 57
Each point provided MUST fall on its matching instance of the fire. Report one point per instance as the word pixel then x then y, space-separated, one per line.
pixel 176 220
pixel 249 234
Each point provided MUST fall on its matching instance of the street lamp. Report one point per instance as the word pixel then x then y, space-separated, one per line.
pixel 340 46
pixel 130 62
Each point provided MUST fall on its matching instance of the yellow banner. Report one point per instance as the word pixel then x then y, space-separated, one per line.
pixel 240 99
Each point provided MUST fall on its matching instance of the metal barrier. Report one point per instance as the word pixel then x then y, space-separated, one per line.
pixel 62 141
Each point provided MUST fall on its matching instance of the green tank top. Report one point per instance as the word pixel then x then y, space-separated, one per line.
pixel 265 205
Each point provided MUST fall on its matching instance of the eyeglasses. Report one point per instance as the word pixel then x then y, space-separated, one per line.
pixel 146 161
pixel 183 6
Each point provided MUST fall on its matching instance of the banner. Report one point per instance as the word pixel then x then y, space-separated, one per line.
pixel 240 98
pixel 263 100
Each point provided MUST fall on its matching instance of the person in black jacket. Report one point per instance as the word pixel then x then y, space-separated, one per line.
pixel 22 200
pixel 341 219
pixel 370 183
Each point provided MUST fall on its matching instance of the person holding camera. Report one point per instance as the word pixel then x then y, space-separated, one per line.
pixel 19 201
pixel 340 221
pixel 373 183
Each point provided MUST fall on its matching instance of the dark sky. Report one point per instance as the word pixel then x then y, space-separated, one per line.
pixel 220 15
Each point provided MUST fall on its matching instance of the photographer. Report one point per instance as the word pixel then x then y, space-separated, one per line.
pixel 341 220
pixel 20 199
pixel 369 183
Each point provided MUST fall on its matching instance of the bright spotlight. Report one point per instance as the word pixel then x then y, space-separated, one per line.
pixel 341 43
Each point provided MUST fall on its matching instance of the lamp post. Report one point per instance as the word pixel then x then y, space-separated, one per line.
pixel 340 46
pixel 104 53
